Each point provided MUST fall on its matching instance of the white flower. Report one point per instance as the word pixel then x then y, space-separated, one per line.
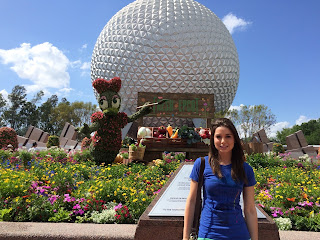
pixel 283 223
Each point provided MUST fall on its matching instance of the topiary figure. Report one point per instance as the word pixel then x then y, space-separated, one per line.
pixel 8 136
pixel 108 124
pixel 53 140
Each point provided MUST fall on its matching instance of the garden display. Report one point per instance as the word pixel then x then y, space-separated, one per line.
pixel 108 123
pixel 55 186
pixel 186 137
pixel 52 186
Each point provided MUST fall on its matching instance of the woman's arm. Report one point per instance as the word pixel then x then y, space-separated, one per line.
pixel 250 212
pixel 189 210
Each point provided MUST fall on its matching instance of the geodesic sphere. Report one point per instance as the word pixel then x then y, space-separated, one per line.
pixel 172 46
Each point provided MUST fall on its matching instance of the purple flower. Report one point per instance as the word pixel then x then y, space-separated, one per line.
pixel 77 206
pixel 305 203
pixel 118 206
pixel 53 198
pixel 34 185
pixel 156 192
pixel 81 212
pixel 67 198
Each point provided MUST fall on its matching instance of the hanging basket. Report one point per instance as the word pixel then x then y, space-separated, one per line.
pixel 137 154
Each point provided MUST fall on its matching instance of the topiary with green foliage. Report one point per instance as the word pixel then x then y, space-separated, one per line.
pixel 108 123
pixel 8 136
pixel 53 140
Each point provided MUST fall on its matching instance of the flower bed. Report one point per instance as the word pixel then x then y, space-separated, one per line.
pixel 53 186
pixel 289 190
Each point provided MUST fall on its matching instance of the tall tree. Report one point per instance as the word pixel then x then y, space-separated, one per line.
pixel 82 112
pixel 17 98
pixel 61 114
pixel 3 104
pixel 46 119
pixel 29 113
pixel 251 119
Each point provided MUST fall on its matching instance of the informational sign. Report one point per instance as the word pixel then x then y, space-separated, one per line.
pixel 173 200
pixel 179 105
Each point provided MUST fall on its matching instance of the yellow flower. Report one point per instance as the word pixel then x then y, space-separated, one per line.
pixel 134 200
pixel 143 199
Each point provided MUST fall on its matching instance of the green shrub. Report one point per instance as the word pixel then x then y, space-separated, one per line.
pixel 25 157
pixel 53 140
pixel 259 160
pixel 5 154
pixel 8 136
pixel 82 156
pixel 278 148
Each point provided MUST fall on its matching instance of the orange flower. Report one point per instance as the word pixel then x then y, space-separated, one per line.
pixel 291 199
pixel 304 195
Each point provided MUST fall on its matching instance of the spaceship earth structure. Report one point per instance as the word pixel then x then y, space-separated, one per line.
pixel 171 46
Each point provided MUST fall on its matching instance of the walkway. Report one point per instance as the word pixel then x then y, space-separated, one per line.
pixel 84 231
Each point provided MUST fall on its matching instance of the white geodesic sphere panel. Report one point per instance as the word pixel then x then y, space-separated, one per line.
pixel 174 46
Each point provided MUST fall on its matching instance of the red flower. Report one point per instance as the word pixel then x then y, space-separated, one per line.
pixel 96 116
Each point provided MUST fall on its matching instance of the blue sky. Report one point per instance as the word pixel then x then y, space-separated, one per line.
pixel 278 43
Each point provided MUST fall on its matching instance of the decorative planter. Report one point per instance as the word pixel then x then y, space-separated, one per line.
pixel 136 154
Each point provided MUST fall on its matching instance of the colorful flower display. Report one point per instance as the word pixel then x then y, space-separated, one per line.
pixel 289 189
pixel 56 187
pixel 76 190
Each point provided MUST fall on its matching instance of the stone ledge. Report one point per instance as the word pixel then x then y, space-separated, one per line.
pixel 88 231
pixel 65 231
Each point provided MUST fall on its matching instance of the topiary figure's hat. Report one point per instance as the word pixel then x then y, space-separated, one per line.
pixel 102 85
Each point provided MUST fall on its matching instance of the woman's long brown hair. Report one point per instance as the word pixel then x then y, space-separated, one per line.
pixel 237 158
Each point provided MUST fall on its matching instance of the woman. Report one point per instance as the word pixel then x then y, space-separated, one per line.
pixel 226 175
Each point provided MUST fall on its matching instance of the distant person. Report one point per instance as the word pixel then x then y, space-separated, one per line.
pixel 226 175
pixel 33 147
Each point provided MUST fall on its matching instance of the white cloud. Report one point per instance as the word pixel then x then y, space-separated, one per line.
pixel 272 132
pixel 84 46
pixel 75 64
pixel 44 65
pixel 238 108
pixel 234 23
pixel 302 119
pixel 85 66
pixel 4 94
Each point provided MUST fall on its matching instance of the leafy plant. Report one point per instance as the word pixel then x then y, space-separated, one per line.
pixel 61 215
pixel 190 134
pixel 26 157
pixel 53 140
pixel 278 148
pixel 5 214
pixel 133 147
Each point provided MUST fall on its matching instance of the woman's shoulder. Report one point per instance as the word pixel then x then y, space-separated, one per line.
pixel 247 168
pixel 197 162
pixel 246 165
